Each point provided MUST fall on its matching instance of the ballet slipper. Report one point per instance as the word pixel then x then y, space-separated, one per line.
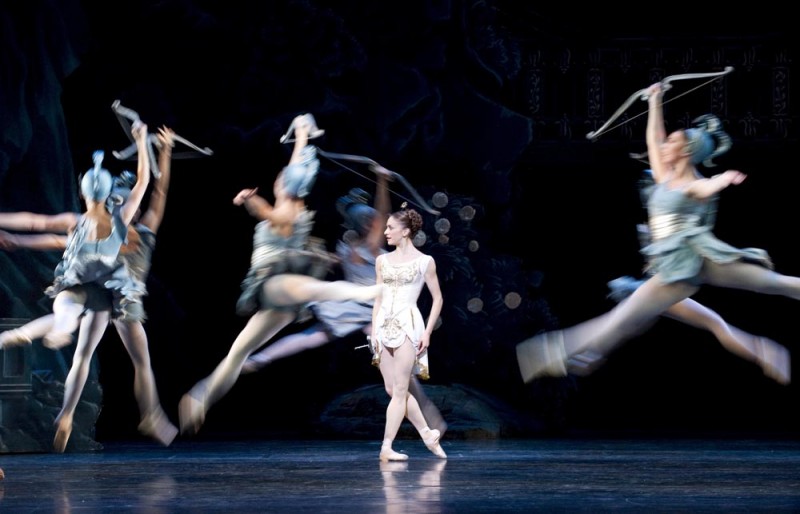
pixel 157 425
pixel 192 414
pixel 63 431
pixel 56 340
pixel 542 355
pixel 432 443
pixel 774 360
pixel 14 337
pixel 389 455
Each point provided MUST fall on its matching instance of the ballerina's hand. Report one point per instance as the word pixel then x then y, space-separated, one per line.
pixel 302 125
pixel 166 136
pixel 381 171
pixel 243 195
pixel 424 343
pixel 735 177
pixel 139 131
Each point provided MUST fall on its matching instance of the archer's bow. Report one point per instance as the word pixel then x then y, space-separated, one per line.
pixel 642 95
pixel 126 116
pixel 418 200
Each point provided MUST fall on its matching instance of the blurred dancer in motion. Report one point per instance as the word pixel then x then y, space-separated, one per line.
pixel 286 271
pixel 401 336
pixel 91 280
pixel 136 256
pixel 683 255
pixel 361 244
pixel 770 356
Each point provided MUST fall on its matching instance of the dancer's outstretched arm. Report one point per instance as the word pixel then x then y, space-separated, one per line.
pixel 708 187
pixel 32 222
pixel 44 242
pixel 255 205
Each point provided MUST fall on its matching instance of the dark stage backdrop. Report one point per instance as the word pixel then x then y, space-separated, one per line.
pixel 484 107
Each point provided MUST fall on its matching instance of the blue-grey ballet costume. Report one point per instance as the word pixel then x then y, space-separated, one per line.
pixel 96 267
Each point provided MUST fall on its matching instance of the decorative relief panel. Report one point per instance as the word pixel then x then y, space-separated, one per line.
pixel 573 91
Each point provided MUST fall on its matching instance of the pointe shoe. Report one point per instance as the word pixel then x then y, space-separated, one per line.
pixel 158 426
pixel 192 414
pixel 542 355
pixel 432 443
pixel 314 133
pixel 14 337
pixel 63 431
pixel 56 340
pixel 775 360
pixel 389 455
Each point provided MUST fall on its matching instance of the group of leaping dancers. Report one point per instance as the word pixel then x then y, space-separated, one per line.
pixel 107 249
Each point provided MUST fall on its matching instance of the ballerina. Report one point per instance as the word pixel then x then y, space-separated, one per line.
pixel 285 275
pixel 683 255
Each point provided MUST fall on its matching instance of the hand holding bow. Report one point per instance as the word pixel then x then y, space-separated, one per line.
pixel 644 94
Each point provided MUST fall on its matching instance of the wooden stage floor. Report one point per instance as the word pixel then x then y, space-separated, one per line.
pixel 491 476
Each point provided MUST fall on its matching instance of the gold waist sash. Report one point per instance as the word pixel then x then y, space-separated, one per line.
pixel 665 225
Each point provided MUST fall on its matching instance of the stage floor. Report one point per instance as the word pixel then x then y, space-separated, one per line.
pixel 495 476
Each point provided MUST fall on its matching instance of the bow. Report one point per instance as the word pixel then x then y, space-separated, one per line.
pixel 126 116
pixel 642 95
pixel 418 200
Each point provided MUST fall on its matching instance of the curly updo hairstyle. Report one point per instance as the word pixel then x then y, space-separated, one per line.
pixel 409 218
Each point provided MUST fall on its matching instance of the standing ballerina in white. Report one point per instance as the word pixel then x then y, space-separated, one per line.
pixel 398 330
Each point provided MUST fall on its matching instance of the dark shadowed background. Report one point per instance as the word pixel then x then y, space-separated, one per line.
pixel 483 106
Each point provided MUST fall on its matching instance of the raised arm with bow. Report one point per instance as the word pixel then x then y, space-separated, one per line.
pixel 641 94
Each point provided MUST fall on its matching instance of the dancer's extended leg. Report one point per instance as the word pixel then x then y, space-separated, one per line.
pixel 28 332
pixel 68 307
pixel 292 344
pixel 261 327
pixel 153 420
pixel 547 354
